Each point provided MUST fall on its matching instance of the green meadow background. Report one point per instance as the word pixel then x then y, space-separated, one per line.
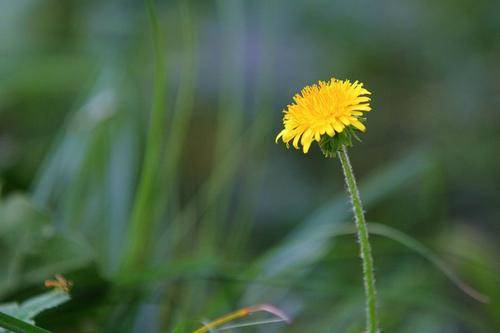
pixel 141 163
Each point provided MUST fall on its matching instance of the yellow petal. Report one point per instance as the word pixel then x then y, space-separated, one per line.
pixel 306 145
pixel 296 140
pixel 356 123
pixel 280 135
pixel 338 126
pixel 361 99
pixel 317 136
pixel 330 131
pixel 362 107
pixel 345 120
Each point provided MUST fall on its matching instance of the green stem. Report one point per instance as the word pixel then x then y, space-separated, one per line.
pixel 15 325
pixel 141 227
pixel 364 244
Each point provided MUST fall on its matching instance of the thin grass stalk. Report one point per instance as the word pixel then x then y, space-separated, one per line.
pixel 142 222
pixel 184 220
pixel 364 244
pixel 268 308
pixel 259 133
pixel 167 246
pixel 183 107
pixel 230 119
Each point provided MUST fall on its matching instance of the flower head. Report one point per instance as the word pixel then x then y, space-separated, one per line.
pixel 326 113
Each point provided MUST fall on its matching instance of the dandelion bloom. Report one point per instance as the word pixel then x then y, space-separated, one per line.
pixel 324 108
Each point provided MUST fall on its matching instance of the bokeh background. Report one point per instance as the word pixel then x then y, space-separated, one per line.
pixel 231 219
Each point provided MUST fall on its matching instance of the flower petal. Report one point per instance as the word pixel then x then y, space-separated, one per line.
pixel 359 125
pixel 280 135
pixel 345 120
pixel 338 126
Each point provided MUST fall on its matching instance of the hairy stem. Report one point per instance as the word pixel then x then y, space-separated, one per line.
pixel 364 244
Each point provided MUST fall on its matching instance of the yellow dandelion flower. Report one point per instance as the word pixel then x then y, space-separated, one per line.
pixel 324 108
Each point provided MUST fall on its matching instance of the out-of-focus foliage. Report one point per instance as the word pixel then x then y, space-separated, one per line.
pixel 236 220
pixel 31 246
pixel 33 306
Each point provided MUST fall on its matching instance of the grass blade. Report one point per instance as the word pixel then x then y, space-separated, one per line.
pixel 15 325
pixel 141 222
pixel 424 251
pixel 251 323
pixel 419 248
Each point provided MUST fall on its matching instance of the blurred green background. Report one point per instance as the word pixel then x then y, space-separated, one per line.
pixel 226 218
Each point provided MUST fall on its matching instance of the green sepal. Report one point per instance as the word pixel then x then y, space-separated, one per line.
pixel 331 145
